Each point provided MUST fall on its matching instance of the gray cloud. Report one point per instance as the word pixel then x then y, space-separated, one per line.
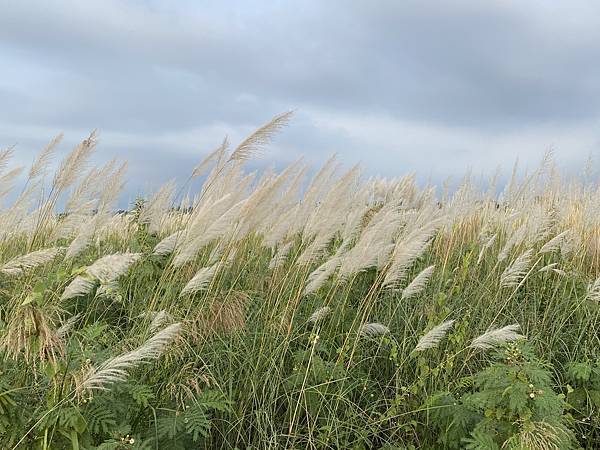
pixel 432 87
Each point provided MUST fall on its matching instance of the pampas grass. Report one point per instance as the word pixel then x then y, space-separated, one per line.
pixel 497 336
pixel 514 274
pixel 433 337
pixel 419 283
pixel 116 369
pixel 270 287
pixel 373 329
pixel 200 281
pixel 254 143
pixel 30 261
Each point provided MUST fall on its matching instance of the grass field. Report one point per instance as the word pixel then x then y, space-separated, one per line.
pixel 272 311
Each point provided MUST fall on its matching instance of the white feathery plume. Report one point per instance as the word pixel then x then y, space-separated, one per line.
pixel 108 196
pixel 73 165
pixel 104 270
pixel 321 274
pixel 593 291
pixel 158 319
pixel 417 285
pixel 254 143
pixel 434 336
pixel 168 244
pixel 515 239
pixel 30 261
pixel 405 254
pixel 514 274
pixel 111 267
pixel 67 325
pixel 108 289
pixel 116 369
pixel 487 245
pixel 279 258
pixel 319 314
pixel 87 227
pixel 555 243
pixel 217 154
pixel 200 281
pixel 375 243
pixel 5 156
pixel 82 240
pixel 81 285
pixel 6 181
pixel 569 245
pixel 276 224
pixel 373 329
pixel 42 161
pixel 497 336
pixel 160 202
pixel 188 250
pixel 550 267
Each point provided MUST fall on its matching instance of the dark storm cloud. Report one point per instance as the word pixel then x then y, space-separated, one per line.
pixel 427 86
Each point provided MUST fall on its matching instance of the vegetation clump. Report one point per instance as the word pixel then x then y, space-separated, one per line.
pixel 266 311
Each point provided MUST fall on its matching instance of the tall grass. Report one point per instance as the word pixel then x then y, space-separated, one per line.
pixel 274 312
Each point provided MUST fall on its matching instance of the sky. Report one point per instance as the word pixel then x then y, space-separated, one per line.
pixel 432 87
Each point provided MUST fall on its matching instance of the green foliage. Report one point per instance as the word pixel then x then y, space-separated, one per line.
pixel 250 366
pixel 513 401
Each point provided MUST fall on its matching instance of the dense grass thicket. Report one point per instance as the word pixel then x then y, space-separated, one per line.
pixel 271 311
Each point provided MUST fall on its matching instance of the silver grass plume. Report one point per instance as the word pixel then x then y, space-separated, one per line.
pixel 30 261
pixel 153 212
pixel 40 165
pixel 417 285
pixel 81 285
pixel 555 243
pixel 515 239
pixel 548 268
pixel 200 281
pixel 200 169
pixel 104 270
pixel 593 292
pixel 116 369
pixel 168 244
pixel 158 319
pixel 487 245
pixel 254 143
pixel 373 329
pixel 514 274
pixel 319 314
pixel 434 336
pixel 111 267
pixel 73 165
pixel 279 258
pixel 5 156
pixel 497 336
pixel 62 331
pixel 405 254
pixel 6 181
pixel 321 274
pixel 552 267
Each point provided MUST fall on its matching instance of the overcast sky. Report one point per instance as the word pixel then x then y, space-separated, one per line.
pixel 434 87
